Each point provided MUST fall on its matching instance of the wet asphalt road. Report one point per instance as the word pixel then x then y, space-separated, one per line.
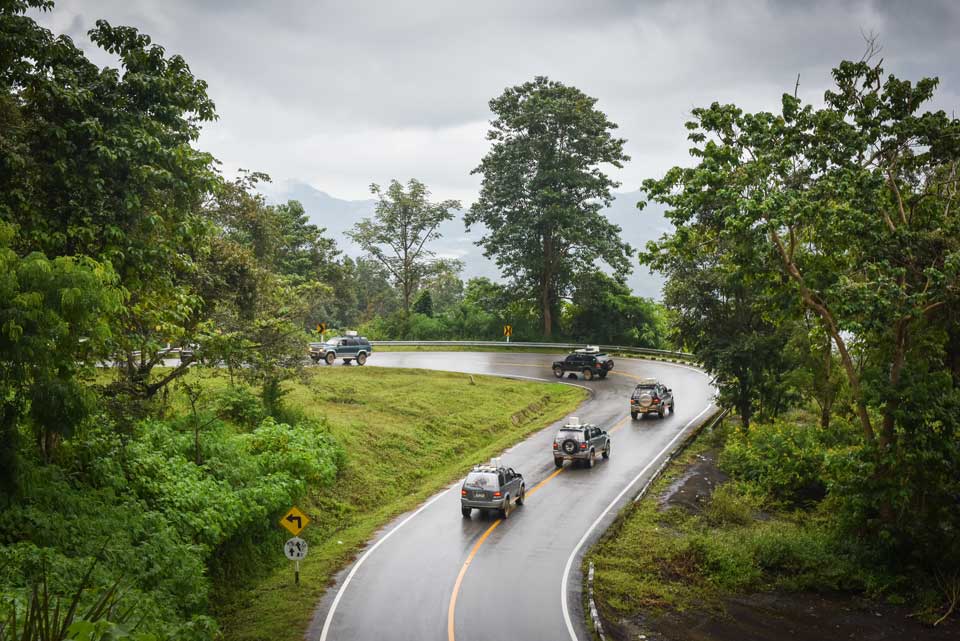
pixel 401 586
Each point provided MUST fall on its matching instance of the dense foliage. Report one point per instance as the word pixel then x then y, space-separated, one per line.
pixel 823 239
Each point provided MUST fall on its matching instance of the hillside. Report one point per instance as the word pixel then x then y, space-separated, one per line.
pixel 338 215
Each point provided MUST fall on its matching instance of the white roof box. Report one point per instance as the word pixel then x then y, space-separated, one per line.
pixel 589 349
pixel 351 334
pixel 574 421
pixel 495 462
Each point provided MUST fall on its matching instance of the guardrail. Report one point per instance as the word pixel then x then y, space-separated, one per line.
pixel 560 346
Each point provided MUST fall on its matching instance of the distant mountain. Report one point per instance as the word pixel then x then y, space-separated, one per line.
pixel 338 215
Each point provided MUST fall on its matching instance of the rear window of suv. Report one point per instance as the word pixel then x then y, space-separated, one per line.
pixel 482 479
pixel 570 433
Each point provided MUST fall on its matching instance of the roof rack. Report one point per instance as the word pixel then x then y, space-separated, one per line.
pixel 589 349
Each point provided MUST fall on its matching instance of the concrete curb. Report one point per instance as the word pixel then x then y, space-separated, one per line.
pixel 594 615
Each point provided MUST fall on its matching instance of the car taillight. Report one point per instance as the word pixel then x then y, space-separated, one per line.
pixel 463 492
pixel 555 446
pixel 655 400
pixel 583 446
pixel 633 401
pixel 496 495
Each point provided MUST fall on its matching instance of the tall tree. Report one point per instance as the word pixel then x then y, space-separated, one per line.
pixel 543 190
pixel 444 283
pixel 404 222
pixel 99 162
pixel 853 207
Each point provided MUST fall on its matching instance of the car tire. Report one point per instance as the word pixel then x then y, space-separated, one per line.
pixel 592 460
pixel 588 374
pixel 660 412
pixel 330 358
pixel 361 359
pixel 505 510
pixel 558 462
pixel 558 372
pixel 523 495
pixel 603 374
pixel 634 415
pixel 606 451
pixel 673 407
pixel 465 511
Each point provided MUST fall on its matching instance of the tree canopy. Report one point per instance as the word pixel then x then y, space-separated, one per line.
pixel 399 233
pixel 543 191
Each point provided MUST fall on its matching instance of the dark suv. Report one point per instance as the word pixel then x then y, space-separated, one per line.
pixel 576 442
pixel 350 347
pixel 587 362
pixel 651 397
pixel 492 487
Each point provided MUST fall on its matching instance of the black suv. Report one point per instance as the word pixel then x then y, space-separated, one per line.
pixel 492 487
pixel 587 362
pixel 651 397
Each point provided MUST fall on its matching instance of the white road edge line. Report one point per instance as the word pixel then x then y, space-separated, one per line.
pixel 336 600
pixel 356 566
pixel 566 569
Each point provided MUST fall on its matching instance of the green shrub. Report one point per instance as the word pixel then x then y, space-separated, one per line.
pixel 730 506
pixel 239 405
pixel 785 459
pixel 302 452
pixel 153 518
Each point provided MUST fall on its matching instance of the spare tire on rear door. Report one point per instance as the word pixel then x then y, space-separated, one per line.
pixel 569 446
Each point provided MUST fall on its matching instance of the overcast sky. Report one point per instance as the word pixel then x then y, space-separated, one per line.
pixel 339 94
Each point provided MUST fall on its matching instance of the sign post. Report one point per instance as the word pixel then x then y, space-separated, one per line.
pixel 295 549
pixel 508 331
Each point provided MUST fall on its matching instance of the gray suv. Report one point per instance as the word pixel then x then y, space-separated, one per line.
pixel 576 442
pixel 492 487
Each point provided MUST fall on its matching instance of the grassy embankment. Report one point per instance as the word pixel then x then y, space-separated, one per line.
pixel 407 433
pixel 668 555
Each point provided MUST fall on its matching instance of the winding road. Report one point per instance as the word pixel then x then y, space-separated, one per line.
pixel 432 575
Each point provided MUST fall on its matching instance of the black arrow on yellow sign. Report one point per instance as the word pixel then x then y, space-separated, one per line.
pixel 293 518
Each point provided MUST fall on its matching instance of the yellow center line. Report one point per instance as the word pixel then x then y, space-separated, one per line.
pixel 473 552
pixel 463 570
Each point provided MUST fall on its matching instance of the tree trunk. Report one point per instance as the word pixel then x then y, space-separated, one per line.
pixel 888 432
pixel 827 394
pixel 545 278
pixel 547 313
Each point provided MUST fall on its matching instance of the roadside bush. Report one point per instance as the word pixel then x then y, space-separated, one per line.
pixel 730 506
pixel 784 459
pixel 239 405
pixel 303 452
pixel 151 517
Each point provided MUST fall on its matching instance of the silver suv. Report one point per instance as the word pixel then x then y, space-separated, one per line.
pixel 492 487
pixel 576 442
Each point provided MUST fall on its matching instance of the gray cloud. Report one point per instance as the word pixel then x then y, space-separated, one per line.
pixel 341 94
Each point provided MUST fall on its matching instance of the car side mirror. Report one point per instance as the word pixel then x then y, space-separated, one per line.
pixel 670 389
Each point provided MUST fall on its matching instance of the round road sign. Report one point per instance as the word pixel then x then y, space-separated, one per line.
pixel 295 549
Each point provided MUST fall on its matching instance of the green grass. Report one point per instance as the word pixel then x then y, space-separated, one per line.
pixel 407 434
pixel 653 560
